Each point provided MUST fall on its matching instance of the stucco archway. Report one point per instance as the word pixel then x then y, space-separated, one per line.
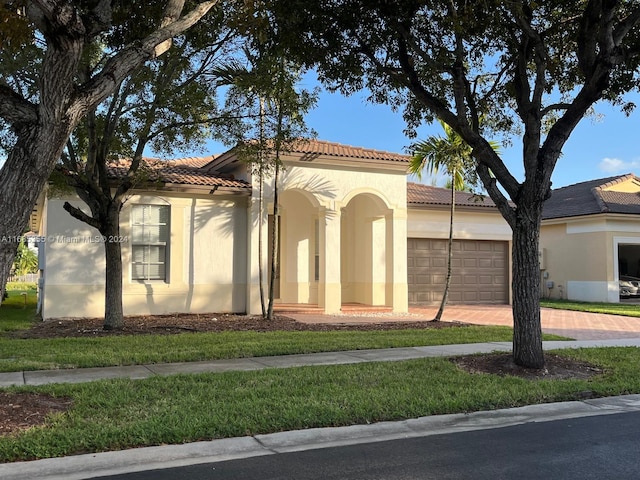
pixel 299 248
pixel 366 256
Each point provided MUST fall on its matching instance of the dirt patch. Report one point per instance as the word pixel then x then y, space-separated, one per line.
pixel 556 367
pixel 21 411
pixel 191 323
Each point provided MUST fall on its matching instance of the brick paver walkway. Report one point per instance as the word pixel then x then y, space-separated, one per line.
pixel 578 325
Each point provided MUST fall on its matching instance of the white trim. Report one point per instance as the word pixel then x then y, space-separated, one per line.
pixel 617 241
pixel 604 225
pixel 593 291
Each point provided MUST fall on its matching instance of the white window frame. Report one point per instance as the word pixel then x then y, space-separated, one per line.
pixel 159 242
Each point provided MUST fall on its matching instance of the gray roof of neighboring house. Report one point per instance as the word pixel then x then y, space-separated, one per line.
pixel 419 194
pixel 589 198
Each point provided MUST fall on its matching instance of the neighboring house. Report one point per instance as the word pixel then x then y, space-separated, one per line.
pixel 352 231
pixel 590 235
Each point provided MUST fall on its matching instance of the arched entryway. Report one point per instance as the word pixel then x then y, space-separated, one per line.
pixel 299 270
pixel 366 255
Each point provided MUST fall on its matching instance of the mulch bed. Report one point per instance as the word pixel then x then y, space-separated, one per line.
pixel 191 323
pixel 556 367
pixel 21 411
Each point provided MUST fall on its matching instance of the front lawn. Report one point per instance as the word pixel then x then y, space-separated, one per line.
pixel 18 310
pixel 54 353
pixel 119 414
pixel 627 309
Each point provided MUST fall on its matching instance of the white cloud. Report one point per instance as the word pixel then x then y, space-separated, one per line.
pixel 615 165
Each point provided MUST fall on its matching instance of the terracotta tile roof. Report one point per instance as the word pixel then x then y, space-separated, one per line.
pixel 419 194
pixel 182 171
pixel 589 198
pixel 322 147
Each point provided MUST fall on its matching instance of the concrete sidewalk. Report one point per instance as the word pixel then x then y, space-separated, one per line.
pixel 80 375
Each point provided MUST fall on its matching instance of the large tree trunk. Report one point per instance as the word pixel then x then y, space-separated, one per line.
pixel 113 312
pixel 527 331
pixel 22 178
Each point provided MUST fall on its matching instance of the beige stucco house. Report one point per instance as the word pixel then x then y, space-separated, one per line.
pixel 353 231
pixel 590 235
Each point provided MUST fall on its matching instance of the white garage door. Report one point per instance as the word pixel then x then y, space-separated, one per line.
pixel 479 271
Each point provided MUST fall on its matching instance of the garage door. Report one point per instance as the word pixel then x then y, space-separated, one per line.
pixel 479 271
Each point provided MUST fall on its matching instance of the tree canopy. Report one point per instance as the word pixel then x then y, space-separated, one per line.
pixel 45 92
pixel 531 69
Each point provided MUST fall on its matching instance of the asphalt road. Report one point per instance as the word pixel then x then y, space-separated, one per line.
pixel 600 447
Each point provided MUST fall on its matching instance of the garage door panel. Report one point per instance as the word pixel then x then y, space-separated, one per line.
pixel 486 262
pixel 479 271
pixel 422 262
pixel 470 262
pixel 454 297
pixel 438 262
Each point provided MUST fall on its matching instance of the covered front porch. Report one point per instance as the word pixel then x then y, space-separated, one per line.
pixel 342 255
pixel 342 217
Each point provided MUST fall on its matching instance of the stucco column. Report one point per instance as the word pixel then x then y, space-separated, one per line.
pixel 329 286
pixel 396 256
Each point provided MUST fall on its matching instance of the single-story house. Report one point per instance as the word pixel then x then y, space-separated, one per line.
pixel 353 230
pixel 590 236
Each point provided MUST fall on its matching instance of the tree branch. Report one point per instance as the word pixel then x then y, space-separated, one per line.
pixel 118 67
pixel 80 215
pixel 554 106
pixel 496 195
pixel 14 109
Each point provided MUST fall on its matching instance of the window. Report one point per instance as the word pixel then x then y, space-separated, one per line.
pixel 150 240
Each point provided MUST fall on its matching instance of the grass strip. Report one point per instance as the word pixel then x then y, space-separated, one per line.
pixel 118 414
pixel 44 354
pixel 626 309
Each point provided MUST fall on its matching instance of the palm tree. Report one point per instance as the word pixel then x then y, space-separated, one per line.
pixel 453 155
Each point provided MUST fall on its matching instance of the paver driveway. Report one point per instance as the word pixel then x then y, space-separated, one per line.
pixel 578 325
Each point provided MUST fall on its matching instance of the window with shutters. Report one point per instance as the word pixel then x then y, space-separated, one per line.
pixel 149 242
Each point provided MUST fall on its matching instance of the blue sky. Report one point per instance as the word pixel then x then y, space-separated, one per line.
pixel 601 146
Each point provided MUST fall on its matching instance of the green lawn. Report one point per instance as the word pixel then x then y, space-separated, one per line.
pixel 630 310
pixel 38 354
pixel 15 314
pixel 42 354
pixel 118 414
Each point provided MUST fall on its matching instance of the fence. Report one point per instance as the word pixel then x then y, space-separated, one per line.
pixel 28 278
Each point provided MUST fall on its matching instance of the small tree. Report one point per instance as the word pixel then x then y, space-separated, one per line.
pixel 275 122
pixel 166 105
pixel 455 156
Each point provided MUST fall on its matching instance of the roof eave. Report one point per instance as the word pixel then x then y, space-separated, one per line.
pixel 320 159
